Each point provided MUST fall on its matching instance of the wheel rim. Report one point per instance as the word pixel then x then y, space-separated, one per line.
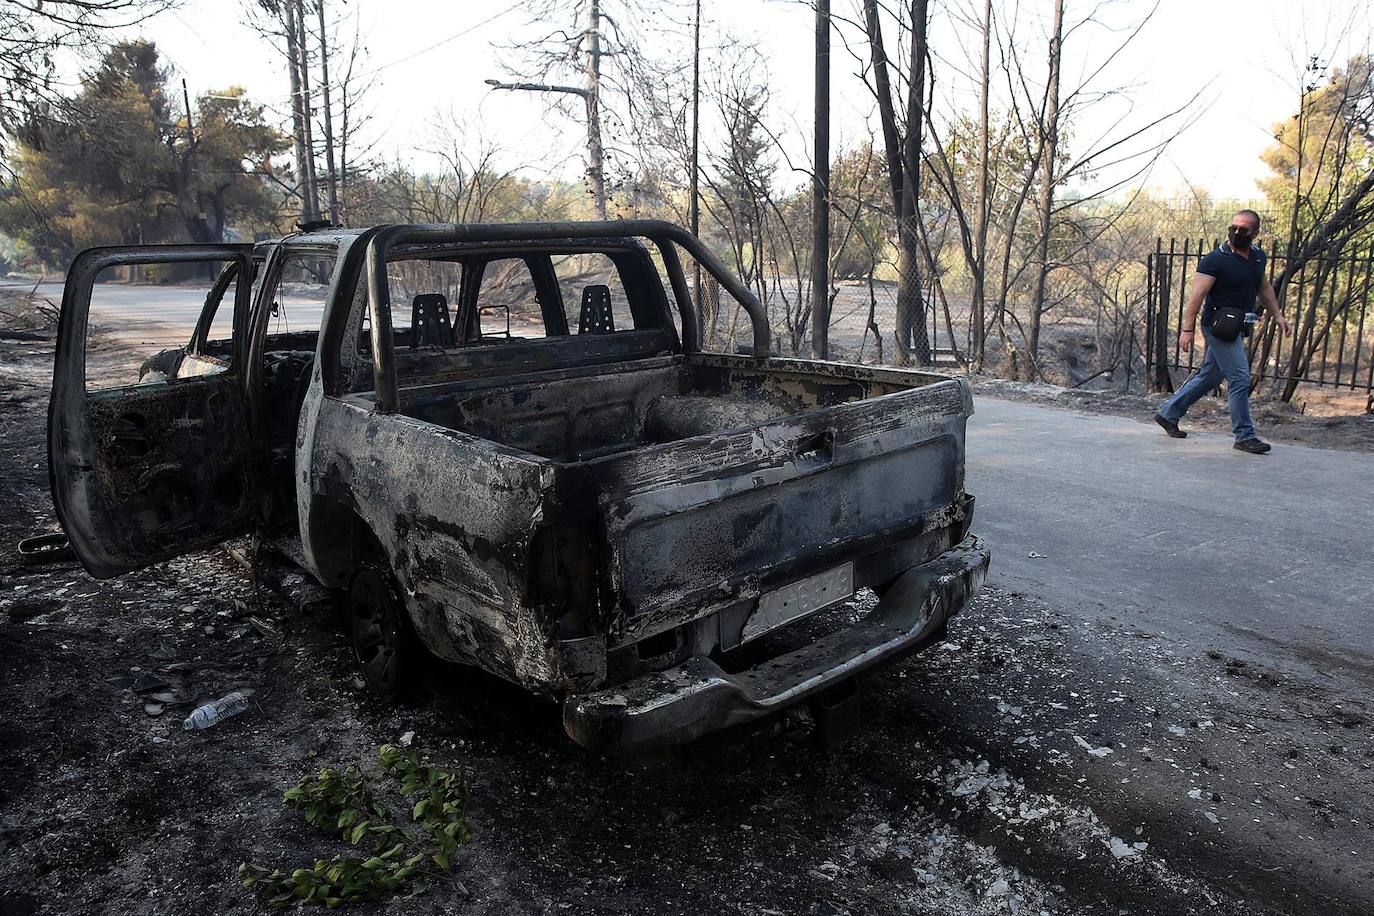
pixel 376 636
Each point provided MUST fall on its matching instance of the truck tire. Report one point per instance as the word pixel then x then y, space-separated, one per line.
pixel 382 643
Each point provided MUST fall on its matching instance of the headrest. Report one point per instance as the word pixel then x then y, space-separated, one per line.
pixel 430 323
pixel 596 317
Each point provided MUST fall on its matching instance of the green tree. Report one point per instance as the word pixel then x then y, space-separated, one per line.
pixel 120 163
pixel 1323 153
pixel 1323 181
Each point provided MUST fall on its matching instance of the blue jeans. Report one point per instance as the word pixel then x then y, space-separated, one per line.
pixel 1224 360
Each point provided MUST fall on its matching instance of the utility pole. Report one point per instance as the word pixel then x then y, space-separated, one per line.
pixel 190 128
pixel 191 164
pixel 820 191
pixel 980 242
pixel 694 204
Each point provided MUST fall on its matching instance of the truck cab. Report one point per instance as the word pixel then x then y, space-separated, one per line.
pixel 505 445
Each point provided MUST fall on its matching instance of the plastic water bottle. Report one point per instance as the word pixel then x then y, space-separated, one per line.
pixel 213 713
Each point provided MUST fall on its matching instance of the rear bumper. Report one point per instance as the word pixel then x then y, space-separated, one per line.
pixel 681 704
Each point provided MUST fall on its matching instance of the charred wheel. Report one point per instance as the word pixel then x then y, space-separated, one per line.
pixel 380 636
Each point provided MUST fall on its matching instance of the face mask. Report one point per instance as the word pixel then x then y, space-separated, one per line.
pixel 1240 236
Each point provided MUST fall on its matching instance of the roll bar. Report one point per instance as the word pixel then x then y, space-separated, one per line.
pixel 662 233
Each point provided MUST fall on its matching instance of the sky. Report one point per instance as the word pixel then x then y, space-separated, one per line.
pixel 1241 60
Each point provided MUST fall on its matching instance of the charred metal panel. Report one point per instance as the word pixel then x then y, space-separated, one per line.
pixel 686 701
pixel 778 372
pixel 673 418
pixel 694 525
pixel 455 515
pixel 144 473
pixel 155 491
pixel 554 415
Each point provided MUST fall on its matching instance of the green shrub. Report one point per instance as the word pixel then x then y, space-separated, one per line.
pixel 400 858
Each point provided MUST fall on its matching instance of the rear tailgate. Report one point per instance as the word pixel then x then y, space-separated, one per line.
pixel 699 524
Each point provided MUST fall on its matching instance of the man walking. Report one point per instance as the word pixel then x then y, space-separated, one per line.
pixel 1224 289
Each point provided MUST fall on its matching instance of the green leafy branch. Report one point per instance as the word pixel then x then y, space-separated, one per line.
pixel 401 858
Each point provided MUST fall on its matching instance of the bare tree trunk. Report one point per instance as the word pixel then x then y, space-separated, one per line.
pixel 312 187
pixel 1049 133
pixel 694 182
pixel 332 175
pixel 883 90
pixel 903 154
pixel 980 238
pixel 912 340
pixel 297 112
pixel 596 156
pixel 352 91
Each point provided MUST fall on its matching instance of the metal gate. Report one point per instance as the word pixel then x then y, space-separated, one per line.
pixel 1327 300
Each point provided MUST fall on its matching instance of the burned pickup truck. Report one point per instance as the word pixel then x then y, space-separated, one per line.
pixel 554 483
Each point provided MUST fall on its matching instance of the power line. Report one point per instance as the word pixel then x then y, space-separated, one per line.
pixel 443 41
pixel 268 100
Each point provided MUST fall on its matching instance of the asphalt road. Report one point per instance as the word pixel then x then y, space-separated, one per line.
pixel 1104 515
pixel 161 315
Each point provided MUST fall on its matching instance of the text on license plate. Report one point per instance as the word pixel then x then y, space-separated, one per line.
pixel 800 598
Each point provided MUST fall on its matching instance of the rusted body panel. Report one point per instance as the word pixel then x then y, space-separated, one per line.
pixel 598 518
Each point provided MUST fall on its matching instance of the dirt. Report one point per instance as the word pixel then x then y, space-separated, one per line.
pixel 1033 763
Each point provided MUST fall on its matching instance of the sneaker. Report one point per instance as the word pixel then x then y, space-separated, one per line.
pixel 1253 446
pixel 1170 426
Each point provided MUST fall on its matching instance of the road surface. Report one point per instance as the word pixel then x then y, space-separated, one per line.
pixel 1108 516
pixel 159 316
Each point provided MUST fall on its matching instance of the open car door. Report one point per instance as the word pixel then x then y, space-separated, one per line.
pixel 145 472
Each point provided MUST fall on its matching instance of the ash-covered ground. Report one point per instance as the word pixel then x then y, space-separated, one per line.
pixel 1036 762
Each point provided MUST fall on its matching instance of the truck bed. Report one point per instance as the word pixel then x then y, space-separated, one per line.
pixel 717 479
pixel 572 416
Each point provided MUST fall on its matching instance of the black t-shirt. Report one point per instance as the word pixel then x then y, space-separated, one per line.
pixel 1237 279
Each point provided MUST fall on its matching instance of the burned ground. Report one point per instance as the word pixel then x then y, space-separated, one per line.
pixel 1012 770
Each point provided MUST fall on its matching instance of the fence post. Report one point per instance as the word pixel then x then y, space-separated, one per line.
pixel 1162 381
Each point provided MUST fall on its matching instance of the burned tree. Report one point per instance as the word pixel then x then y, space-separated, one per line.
pixel 902 142
pixel 595 58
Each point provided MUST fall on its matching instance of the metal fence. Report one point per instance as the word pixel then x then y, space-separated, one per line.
pixel 1326 298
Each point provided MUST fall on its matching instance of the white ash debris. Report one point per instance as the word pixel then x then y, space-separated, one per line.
pixel 1123 850
pixel 1009 800
pixel 1092 751
pixel 952 874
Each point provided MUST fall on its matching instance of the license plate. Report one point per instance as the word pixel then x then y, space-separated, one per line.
pixel 800 598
